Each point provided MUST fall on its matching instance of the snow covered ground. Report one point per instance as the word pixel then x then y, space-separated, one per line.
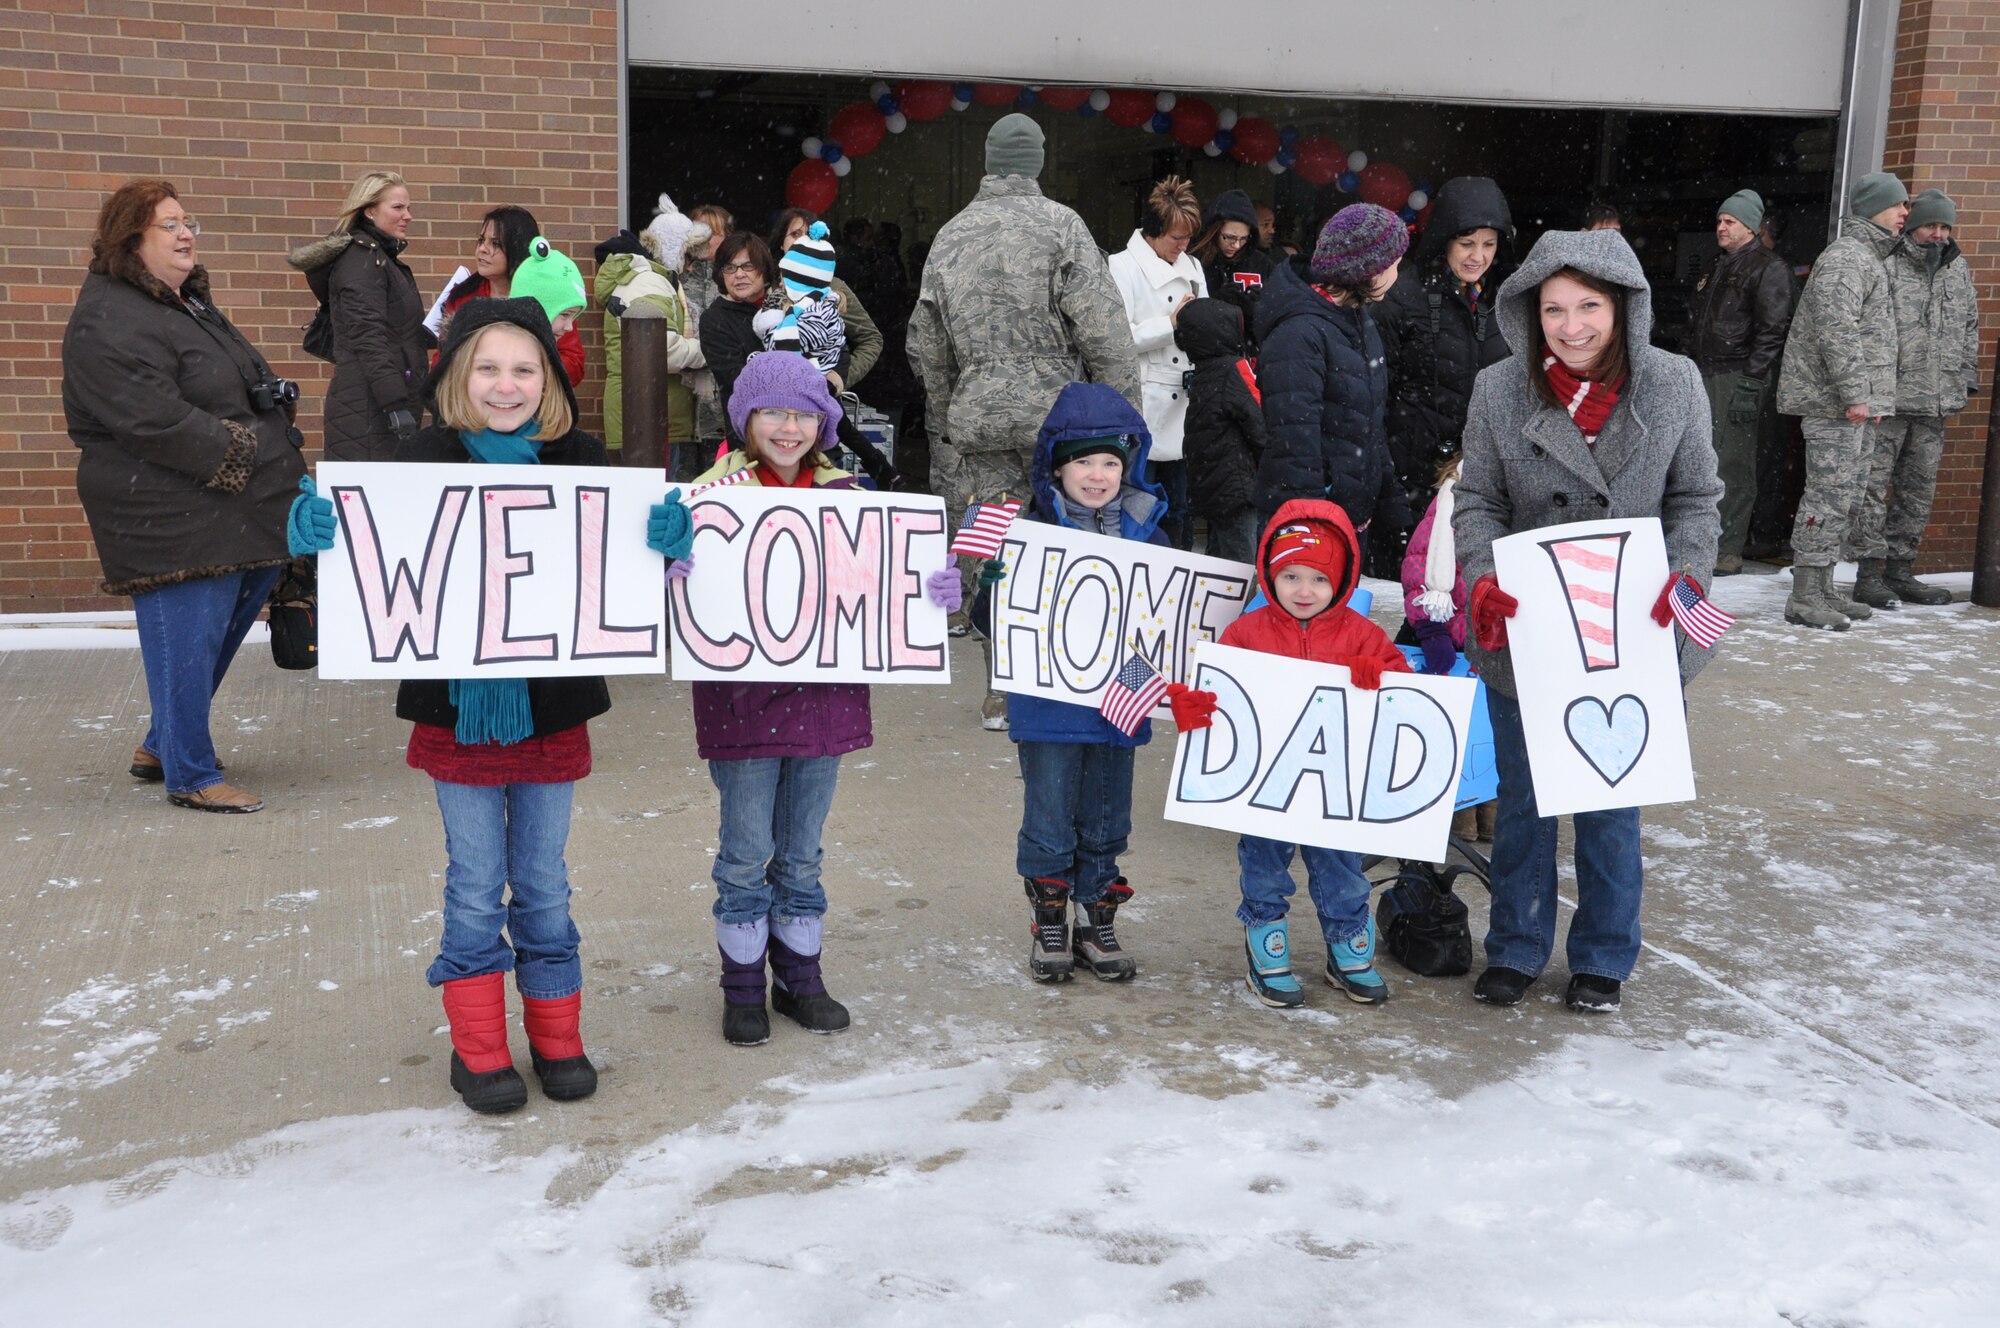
pixel 1795 1122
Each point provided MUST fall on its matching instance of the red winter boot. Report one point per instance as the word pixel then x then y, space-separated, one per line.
pixel 482 1069
pixel 556 1044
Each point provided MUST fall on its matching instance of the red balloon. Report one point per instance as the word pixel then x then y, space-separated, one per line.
pixel 1384 186
pixel 857 128
pixel 1195 122
pixel 812 185
pixel 995 94
pixel 1129 108
pixel 1063 99
pixel 1318 160
pixel 922 99
pixel 1256 141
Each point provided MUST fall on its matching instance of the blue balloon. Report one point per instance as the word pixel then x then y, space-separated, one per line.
pixel 961 91
pixel 1225 139
pixel 887 103
pixel 1162 122
pixel 1425 186
pixel 1347 181
pixel 1027 97
pixel 829 153
pixel 1286 157
pixel 1288 136
pixel 1086 110
pixel 1407 214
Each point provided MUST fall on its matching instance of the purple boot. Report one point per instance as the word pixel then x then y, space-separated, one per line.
pixel 745 1023
pixel 797 992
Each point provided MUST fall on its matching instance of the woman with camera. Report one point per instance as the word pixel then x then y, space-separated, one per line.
pixel 381 349
pixel 188 469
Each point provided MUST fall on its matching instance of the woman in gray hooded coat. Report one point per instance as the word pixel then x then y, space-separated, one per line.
pixel 1586 420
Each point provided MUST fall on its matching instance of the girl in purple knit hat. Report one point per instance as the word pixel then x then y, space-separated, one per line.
pixel 774 748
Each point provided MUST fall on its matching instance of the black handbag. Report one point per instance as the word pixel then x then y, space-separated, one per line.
pixel 1423 925
pixel 293 610
pixel 318 340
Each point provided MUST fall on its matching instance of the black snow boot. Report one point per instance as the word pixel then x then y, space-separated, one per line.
pixel 1049 958
pixel 745 1022
pixel 798 992
pixel 1095 943
pixel 1901 577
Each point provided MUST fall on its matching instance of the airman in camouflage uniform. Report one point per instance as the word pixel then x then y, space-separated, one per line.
pixel 1839 374
pixel 1937 368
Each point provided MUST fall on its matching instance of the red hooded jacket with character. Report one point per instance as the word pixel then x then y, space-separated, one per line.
pixel 1335 634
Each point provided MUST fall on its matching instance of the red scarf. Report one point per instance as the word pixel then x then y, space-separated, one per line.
pixel 1589 402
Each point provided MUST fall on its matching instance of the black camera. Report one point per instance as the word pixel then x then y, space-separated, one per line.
pixel 273 394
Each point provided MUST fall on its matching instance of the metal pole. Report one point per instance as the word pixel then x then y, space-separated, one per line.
pixel 643 331
pixel 1986 549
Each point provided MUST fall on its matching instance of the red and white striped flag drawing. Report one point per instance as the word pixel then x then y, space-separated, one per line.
pixel 1701 620
pixel 733 477
pixel 1589 571
pixel 984 527
pixel 1131 696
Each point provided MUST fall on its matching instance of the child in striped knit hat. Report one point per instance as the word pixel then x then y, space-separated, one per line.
pixel 811 323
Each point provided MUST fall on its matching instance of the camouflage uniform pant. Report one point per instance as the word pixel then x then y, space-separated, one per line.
pixel 1896 504
pixel 1735 459
pixel 1837 460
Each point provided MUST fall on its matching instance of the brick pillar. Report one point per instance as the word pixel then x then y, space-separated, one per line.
pixel 1944 133
pixel 261 115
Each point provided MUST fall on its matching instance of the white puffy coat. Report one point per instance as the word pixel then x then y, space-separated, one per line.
pixel 1151 288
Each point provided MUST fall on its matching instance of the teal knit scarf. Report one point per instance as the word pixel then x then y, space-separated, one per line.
pixel 496 710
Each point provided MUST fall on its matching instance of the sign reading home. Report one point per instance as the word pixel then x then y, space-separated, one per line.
pixel 470 571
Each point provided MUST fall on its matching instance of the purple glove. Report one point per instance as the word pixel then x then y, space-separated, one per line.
pixel 680 567
pixel 945 588
pixel 1440 655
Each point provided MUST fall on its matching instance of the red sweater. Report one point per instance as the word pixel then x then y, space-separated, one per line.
pixel 570 344
pixel 1338 633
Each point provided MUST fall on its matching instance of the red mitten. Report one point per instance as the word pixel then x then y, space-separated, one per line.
pixel 1192 709
pixel 1663 610
pixel 1366 670
pixel 1491 608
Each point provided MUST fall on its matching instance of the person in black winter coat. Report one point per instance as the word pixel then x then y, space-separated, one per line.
pixel 1225 426
pixel 1233 260
pixel 1438 332
pixel 747 278
pixel 1324 381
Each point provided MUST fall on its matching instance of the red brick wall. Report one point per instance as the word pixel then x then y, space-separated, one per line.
pixel 261 115
pixel 1944 133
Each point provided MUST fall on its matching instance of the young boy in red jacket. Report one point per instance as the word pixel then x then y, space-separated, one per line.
pixel 1307 564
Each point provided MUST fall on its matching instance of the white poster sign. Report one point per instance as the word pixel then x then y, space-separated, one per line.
pixel 811 585
pixel 477 571
pixel 1074 605
pixel 1599 681
pixel 1299 754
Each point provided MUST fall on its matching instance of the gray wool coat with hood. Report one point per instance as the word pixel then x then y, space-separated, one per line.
pixel 1526 465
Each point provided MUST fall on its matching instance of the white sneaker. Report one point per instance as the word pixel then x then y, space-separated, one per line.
pixel 993 712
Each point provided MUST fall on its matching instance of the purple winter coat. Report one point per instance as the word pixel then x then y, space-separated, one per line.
pixel 748 721
pixel 1413 578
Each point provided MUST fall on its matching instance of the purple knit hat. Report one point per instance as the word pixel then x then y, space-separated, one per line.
pixel 1357 244
pixel 784 379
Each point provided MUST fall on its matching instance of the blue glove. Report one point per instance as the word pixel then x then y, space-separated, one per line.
pixel 309 528
pixel 1440 655
pixel 669 528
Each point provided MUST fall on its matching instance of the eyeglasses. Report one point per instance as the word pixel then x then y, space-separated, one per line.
pixel 800 419
pixel 735 269
pixel 174 228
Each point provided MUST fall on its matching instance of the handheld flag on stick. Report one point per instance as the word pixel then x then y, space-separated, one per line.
pixel 984 527
pixel 1701 620
pixel 733 477
pixel 1131 696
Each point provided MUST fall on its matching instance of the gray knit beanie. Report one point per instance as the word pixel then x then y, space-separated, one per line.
pixel 1357 244
pixel 1876 191
pixel 1014 146
pixel 1931 206
pixel 1746 206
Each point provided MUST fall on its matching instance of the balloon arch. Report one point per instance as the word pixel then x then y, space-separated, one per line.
pixel 857 129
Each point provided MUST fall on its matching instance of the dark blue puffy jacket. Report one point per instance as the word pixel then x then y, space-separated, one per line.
pixel 1326 390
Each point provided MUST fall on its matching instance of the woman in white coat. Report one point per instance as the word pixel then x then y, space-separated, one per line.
pixel 1156 276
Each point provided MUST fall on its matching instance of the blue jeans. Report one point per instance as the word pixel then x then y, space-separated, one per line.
pixel 505 844
pixel 767 862
pixel 1333 878
pixel 1076 813
pixel 188 634
pixel 1610 874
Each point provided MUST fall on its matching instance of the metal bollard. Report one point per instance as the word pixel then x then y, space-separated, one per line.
pixel 643 331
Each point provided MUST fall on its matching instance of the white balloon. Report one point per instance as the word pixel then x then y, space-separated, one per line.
pixel 1164 102
pixel 1210 149
pixel 1419 200
pixel 878 90
pixel 1357 161
pixel 1146 127
pixel 896 123
pixel 1099 99
pixel 843 166
pixel 810 146
pixel 1274 166
pixel 1226 119
pixel 958 105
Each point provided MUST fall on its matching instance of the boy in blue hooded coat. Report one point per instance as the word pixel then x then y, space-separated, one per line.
pixel 1076 766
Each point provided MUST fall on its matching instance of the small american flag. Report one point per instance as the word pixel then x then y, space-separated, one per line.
pixel 984 526
pixel 1701 620
pixel 733 477
pixel 1131 696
